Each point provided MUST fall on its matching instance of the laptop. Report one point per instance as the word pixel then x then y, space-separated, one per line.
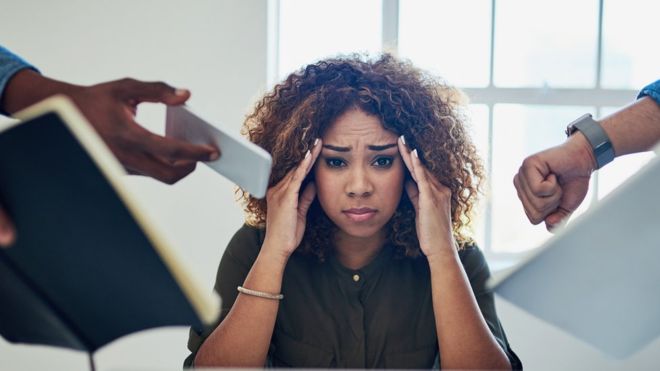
pixel 598 279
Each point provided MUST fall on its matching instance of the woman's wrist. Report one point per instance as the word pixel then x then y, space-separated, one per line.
pixel 442 256
pixel 272 252
pixel 267 272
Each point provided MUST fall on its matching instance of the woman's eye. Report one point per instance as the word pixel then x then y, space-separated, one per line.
pixel 383 162
pixel 335 162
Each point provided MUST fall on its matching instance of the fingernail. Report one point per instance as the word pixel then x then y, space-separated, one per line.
pixel 414 152
pixel 181 92
pixel 307 154
pixel 316 141
pixel 403 139
pixel 214 156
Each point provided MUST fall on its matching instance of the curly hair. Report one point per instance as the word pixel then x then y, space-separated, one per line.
pixel 407 100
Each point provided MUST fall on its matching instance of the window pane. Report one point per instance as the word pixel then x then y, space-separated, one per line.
pixel 310 30
pixel 540 43
pixel 479 132
pixel 519 131
pixel 622 168
pixel 630 46
pixel 478 128
pixel 449 38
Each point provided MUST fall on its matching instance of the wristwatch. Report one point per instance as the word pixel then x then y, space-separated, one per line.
pixel 596 136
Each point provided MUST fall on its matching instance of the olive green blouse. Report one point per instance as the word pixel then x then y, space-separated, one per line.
pixel 379 316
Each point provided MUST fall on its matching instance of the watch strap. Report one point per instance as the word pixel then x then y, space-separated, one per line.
pixel 597 137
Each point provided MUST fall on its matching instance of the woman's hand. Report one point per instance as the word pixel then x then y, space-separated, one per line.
pixel 287 207
pixel 432 203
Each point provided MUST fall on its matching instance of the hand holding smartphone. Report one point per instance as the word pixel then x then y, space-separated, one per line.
pixel 241 161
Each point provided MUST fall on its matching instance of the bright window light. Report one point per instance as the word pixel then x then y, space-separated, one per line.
pixel 450 38
pixel 310 30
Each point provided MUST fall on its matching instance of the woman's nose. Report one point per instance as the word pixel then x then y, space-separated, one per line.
pixel 359 184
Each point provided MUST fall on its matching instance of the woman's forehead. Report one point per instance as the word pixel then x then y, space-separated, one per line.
pixel 356 125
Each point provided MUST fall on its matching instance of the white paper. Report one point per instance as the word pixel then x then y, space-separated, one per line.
pixel 599 277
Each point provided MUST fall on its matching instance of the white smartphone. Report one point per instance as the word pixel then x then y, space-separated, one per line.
pixel 241 161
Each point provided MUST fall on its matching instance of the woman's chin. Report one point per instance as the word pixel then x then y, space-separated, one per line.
pixel 360 231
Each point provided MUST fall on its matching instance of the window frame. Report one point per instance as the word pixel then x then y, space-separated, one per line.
pixel 488 96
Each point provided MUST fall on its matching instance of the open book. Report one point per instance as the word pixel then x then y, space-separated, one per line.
pixel 87 266
pixel 599 277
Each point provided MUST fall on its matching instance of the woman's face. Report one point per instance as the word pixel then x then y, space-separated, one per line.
pixel 359 174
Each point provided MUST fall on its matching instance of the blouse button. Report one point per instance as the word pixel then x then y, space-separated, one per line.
pixel 356 277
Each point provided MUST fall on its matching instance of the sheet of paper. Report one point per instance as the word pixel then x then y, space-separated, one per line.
pixel 241 161
pixel 599 278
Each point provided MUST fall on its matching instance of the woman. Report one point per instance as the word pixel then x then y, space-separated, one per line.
pixel 339 266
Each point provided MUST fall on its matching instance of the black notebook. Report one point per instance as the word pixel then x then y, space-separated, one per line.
pixel 87 266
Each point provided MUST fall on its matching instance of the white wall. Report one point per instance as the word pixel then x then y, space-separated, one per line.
pixel 217 48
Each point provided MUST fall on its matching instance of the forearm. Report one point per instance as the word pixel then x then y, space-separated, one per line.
pixel 243 337
pixel 28 87
pixel 634 128
pixel 463 335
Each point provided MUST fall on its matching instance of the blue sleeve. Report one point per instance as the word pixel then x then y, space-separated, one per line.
pixel 9 65
pixel 651 90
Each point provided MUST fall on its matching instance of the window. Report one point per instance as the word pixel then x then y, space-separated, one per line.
pixel 529 67
pixel 449 39
pixel 314 29
pixel 539 43
pixel 629 59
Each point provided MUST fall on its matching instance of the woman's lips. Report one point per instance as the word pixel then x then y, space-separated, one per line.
pixel 360 214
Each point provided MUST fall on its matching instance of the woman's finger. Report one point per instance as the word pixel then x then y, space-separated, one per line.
pixel 405 156
pixel 306 199
pixel 413 194
pixel 296 175
pixel 306 165
pixel 420 173
pixel 315 151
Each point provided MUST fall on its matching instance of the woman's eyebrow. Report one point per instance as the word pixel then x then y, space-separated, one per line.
pixel 371 147
pixel 381 147
pixel 335 148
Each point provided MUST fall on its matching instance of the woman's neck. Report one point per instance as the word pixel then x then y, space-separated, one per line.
pixel 356 252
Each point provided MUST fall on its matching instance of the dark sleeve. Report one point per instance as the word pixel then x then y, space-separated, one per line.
pixel 478 273
pixel 235 264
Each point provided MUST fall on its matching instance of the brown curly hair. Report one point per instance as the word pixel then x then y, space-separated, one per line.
pixel 407 101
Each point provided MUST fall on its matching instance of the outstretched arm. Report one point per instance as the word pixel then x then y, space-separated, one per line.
pixel 110 107
pixel 551 184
